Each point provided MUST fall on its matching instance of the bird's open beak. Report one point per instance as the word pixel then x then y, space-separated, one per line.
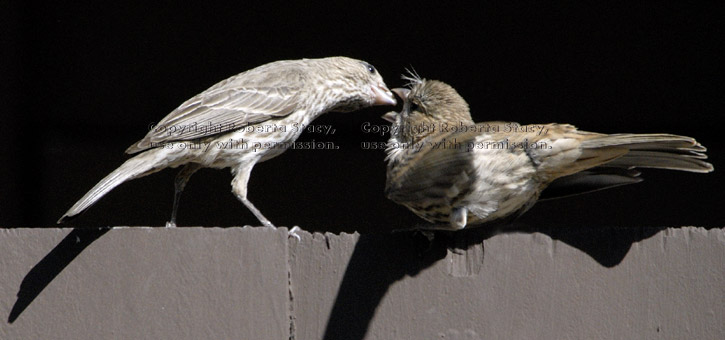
pixel 402 93
pixel 383 96
pixel 390 116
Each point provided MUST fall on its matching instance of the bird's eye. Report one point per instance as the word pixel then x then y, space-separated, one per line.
pixel 371 68
pixel 413 107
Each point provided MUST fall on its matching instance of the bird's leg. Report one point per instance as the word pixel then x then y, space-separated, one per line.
pixel 239 188
pixel 179 184
pixel 459 217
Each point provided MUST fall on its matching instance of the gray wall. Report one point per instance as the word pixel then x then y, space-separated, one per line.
pixel 257 283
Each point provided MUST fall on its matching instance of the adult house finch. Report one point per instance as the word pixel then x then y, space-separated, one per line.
pixel 248 118
pixel 452 172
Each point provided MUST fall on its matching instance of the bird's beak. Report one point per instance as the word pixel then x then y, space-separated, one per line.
pixel 402 93
pixel 390 116
pixel 383 96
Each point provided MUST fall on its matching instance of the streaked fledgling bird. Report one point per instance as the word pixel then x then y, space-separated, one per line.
pixel 248 118
pixel 453 172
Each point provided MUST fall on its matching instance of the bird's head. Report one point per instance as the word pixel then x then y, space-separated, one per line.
pixel 355 84
pixel 427 105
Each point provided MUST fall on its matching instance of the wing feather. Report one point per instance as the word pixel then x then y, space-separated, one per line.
pixel 432 172
pixel 248 98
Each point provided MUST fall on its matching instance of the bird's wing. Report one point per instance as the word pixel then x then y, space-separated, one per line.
pixel 248 98
pixel 556 149
pixel 439 173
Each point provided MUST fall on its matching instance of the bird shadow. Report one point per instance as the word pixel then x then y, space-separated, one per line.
pixel 606 245
pixel 379 260
pixel 51 265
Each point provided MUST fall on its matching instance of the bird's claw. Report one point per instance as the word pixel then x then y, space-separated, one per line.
pixel 293 233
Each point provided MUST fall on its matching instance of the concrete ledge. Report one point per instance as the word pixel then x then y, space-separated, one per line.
pixel 257 283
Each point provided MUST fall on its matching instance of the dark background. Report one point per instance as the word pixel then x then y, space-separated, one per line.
pixel 82 82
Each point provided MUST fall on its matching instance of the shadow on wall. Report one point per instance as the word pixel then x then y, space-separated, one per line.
pixel 51 265
pixel 382 259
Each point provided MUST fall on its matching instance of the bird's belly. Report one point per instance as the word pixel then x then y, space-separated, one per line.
pixel 246 145
pixel 506 202
pixel 483 204
pixel 505 183
pixel 502 183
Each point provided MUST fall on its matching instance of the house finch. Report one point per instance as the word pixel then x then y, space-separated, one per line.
pixel 248 118
pixel 452 172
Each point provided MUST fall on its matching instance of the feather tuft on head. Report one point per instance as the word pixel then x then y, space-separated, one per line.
pixel 412 77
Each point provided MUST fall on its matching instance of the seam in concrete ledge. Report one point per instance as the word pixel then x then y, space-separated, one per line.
pixel 291 306
pixel 291 300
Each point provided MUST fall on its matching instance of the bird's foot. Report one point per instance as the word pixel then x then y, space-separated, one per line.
pixel 171 224
pixel 293 233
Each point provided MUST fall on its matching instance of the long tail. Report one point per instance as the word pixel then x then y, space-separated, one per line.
pixel 660 151
pixel 141 165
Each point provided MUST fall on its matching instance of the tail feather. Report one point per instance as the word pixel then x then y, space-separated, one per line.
pixel 661 151
pixel 663 160
pixel 143 164
pixel 608 161
pixel 643 141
